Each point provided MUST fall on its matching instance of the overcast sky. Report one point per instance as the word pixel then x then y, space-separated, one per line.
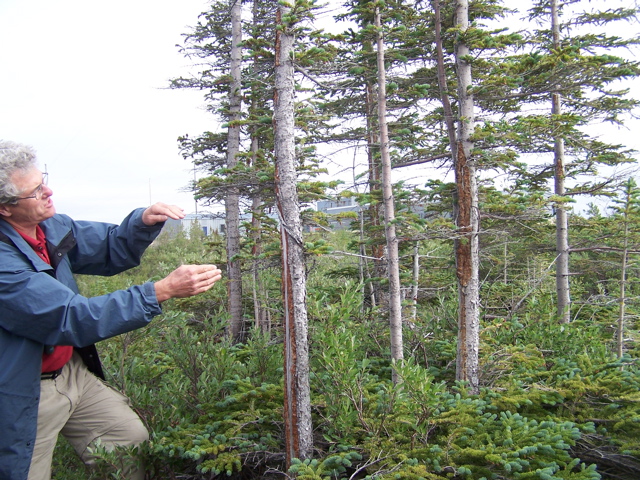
pixel 84 83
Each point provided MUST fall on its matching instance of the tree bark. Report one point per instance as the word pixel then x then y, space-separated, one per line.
pixel 623 276
pixel 375 184
pixel 297 408
pixel 562 223
pixel 393 267
pixel 232 203
pixel 259 294
pixel 467 219
pixel 466 206
pixel 415 281
pixel 260 313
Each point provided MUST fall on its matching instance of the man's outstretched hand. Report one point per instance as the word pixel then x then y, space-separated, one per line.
pixel 186 281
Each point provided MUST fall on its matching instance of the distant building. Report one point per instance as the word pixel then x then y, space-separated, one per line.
pixel 210 223
pixel 349 204
pixel 333 208
pixel 341 205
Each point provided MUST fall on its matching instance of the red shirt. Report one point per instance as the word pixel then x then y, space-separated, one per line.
pixel 61 353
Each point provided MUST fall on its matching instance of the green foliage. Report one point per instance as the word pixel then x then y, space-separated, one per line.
pixel 552 393
pixel 244 423
pixel 334 466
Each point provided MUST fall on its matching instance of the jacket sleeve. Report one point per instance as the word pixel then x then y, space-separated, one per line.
pixel 36 306
pixel 107 249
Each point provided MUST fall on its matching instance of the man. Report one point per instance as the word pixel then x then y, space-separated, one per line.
pixel 49 366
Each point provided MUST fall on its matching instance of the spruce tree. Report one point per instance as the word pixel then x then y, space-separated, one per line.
pixel 568 65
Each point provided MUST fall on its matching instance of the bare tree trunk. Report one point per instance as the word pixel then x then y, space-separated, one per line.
pixel 505 270
pixel 261 317
pixel 232 203
pixel 623 300
pixel 365 274
pixel 393 263
pixel 377 251
pixel 442 82
pixel 623 278
pixel 467 220
pixel 562 223
pixel 258 290
pixel 416 280
pixel 297 408
pixel 466 208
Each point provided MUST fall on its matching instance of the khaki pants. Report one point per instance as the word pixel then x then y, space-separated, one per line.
pixel 85 410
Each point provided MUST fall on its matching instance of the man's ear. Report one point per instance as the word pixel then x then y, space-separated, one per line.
pixel 4 210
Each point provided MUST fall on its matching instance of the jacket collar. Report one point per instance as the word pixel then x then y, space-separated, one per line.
pixel 9 235
pixel 60 239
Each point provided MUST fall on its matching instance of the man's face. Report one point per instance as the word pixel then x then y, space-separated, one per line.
pixel 29 212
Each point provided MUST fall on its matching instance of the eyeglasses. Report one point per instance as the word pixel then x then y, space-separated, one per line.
pixel 37 193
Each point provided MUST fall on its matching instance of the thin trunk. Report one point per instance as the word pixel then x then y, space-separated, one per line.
pixel 261 318
pixel 232 203
pixel 258 290
pixel 365 273
pixel 395 305
pixel 505 277
pixel 377 250
pixel 467 219
pixel 623 300
pixel 416 280
pixel 378 297
pixel 562 223
pixel 442 81
pixel 297 407
pixel 623 279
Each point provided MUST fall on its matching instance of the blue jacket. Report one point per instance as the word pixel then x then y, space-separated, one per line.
pixel 40 305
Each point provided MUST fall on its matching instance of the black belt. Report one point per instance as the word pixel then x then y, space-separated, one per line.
pixel 50 375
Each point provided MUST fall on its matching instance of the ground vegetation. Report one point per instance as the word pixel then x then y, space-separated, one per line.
pixel 555 400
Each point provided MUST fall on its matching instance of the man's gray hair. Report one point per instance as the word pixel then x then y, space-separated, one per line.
pixel 14 157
